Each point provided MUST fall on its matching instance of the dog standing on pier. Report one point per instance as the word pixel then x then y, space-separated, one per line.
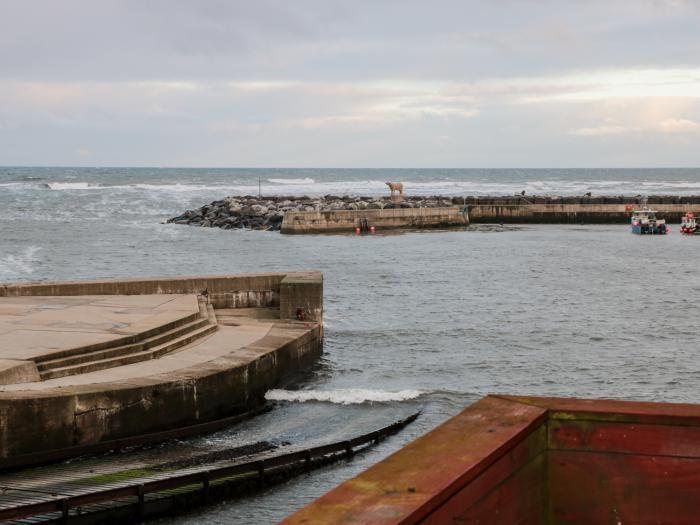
pixel 395 187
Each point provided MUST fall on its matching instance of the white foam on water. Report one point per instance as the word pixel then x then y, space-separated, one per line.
pixel 350 396
pixel 295 182
pixel 672 184
pixel 70 186
pixel 177 187
pixel 316 187
pixel 20 264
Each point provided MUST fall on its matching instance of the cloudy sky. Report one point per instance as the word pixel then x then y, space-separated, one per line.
pixel 377 83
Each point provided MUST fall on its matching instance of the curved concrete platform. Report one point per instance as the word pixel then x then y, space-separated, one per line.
pixel 181 381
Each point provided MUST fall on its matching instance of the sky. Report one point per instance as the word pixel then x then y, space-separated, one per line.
pixel 360 83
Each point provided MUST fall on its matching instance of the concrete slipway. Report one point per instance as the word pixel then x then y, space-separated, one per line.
pixel 84 365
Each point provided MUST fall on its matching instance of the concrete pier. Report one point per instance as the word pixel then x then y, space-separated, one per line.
pixel 570 213
pixel 343 214
pixel 88 363
pixel 348 220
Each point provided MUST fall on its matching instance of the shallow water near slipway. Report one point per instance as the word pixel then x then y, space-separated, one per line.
pixel 420 320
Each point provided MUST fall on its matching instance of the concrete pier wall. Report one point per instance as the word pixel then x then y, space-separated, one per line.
pixel 225 291
pixel 570 213
pixel 348 220
pixel 62 422
pixel 40 423
pixel 542 210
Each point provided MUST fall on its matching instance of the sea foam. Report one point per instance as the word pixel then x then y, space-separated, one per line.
pixel 68 186
pixel 350 396
pixel 306 180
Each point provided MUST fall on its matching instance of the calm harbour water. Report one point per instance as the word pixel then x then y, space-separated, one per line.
pixel 419 320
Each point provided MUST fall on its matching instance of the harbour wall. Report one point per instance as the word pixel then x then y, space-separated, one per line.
pixel 289 291
pixel 384 219
pixel 39 425
pixel 464 214
pixel 570 213
pixel 332 213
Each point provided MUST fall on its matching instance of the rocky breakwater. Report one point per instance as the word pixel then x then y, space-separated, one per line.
pixel 267 213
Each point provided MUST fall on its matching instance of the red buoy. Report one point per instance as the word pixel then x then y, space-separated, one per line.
pixel 357 231
pixel 372 229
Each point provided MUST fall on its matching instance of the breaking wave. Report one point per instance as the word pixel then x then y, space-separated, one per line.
pixel 363 183
pixel 350 396
pixel 306 180
pixel 69 186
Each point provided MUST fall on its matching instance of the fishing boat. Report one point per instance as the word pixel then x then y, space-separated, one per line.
pixel 644 222
pixel 689 224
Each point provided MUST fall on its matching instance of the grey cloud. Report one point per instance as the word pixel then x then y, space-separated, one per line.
pixel 342 40
pixel 349 83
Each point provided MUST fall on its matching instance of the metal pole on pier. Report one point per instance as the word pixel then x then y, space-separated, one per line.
pixel 259 187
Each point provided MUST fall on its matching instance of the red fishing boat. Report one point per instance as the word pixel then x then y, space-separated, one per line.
pixel 689 224
pixel 530 460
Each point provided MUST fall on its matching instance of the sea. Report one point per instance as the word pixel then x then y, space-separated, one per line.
pixel 414 321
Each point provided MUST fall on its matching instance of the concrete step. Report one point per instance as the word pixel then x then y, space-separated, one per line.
pixel 97 355
pixel 145 355
pixel 122 341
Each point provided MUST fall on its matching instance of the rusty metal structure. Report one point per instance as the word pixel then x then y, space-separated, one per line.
pixel 533 460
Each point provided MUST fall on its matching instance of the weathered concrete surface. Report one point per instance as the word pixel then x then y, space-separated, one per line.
pixel 37 326
pixel 570 213
pixel 225 284
pixel 224 374
pixel 16 371
pixel 653 200
pixel 348 220
pixel 302 293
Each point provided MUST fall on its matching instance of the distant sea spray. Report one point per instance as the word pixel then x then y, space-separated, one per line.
pixel 209 183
